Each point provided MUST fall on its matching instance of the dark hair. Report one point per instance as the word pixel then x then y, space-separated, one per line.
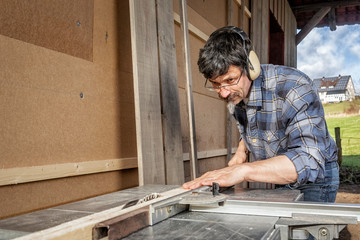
pixel 222 49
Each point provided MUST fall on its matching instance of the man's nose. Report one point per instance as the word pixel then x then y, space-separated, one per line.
pixel 223 92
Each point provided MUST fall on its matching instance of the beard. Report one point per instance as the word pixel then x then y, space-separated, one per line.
pixel 231 107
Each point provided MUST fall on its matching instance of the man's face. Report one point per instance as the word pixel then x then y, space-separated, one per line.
pixel 235 92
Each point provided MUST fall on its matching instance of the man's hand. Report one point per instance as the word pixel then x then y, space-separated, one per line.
pixel 240 155
pixel 225 177
pixel 277 170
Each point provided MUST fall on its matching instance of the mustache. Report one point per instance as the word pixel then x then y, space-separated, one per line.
pixel 230 97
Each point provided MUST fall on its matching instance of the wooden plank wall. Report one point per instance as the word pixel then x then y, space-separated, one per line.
pixel 66 102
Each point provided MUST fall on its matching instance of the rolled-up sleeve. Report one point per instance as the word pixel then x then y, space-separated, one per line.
pixel 306 131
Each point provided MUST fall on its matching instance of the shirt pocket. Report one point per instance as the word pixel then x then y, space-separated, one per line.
pixel 274 143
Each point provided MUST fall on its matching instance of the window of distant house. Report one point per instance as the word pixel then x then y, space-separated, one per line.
pixel 331 87
pixel 323 87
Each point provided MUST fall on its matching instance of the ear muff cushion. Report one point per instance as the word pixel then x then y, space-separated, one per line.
pixel 254 68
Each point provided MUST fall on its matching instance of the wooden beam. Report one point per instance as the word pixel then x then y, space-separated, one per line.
pixel 188 88
pixel 247 11
pixel 209 154
pixel 169 94
pixel 332 19
pixel 194 30
pixel 147 92
pixel 333 4
pixel 228 115
pixel 9 176
pixel 311 24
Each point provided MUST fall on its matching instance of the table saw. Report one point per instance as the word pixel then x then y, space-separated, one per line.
pixel 170 212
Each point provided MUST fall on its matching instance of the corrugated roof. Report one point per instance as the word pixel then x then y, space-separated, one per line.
pixel 332 84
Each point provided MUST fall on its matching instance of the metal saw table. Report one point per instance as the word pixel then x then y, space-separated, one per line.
pixel 157 212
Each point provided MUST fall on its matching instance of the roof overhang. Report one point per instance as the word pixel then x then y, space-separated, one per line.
pixel 321 13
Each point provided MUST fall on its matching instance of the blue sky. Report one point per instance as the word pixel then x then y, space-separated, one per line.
pixel 325 53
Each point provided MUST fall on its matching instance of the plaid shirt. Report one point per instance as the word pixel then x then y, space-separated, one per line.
pixel 284 116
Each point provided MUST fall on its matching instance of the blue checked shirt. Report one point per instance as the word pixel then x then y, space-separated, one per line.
pixel 284 116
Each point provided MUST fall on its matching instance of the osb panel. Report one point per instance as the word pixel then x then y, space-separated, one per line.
pixel 58 108
pixel 23 198
pixel 61 25
pixel 214 11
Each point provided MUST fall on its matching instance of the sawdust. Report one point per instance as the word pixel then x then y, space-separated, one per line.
pixel 349 193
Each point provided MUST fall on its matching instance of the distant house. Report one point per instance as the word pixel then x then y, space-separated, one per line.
pixel 335 89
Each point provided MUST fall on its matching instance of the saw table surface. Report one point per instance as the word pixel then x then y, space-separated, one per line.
pixel 186 225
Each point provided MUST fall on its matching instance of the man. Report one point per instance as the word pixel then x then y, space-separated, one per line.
pixel 279 116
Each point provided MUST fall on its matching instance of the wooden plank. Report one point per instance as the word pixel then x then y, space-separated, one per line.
pixel 18 175
pixel 228 115
pixel 189 93
pixel 246 10
pixel 147 92
pixel 194 30
pixel 312 23
pixel 169 92
pixel 229 13
pixel 265 29
pixel 209 154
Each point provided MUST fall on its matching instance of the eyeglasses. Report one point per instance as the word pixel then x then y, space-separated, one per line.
pixel 213 86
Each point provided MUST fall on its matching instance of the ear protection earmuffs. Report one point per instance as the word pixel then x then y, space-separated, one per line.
pixel 253 63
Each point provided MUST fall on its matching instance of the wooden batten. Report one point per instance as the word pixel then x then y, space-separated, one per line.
pixel 11 176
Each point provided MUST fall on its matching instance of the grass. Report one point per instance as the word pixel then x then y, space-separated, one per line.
pixel 349 130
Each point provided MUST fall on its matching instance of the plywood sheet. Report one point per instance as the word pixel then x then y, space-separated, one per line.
pixel 61 25
pixel 57 107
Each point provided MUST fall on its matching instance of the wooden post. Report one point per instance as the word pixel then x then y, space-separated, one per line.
pixel 228 115
pixel 173 151
pixel 338 144
pixel 189 97
pixel 144 49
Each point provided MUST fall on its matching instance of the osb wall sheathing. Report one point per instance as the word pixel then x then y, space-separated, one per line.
pixel 66 95
pixel 210 111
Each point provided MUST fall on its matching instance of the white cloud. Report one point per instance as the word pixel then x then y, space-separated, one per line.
pixel 330 53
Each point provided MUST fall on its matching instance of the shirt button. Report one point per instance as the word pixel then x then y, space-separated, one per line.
pixel 254 140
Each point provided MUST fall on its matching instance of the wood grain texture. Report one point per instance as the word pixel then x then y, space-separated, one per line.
pixel 169 94
pixel 147 92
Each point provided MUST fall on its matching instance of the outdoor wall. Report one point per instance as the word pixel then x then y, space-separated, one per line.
pixel 66 102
